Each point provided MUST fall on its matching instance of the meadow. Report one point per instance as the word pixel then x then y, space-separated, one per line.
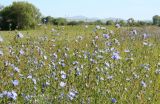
pixel 80 65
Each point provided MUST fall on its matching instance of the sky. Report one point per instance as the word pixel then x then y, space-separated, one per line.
pixel 137 9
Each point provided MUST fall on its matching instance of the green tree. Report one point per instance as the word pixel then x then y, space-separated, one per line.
pixel 122 23
pixel 21 15
pixel 156 20
pixel 98 22
pixel 141 23
pixel 81 22
pixel 47 20
pixel 72 23
pixel 110 22
pixel 130 22
pixel 60 21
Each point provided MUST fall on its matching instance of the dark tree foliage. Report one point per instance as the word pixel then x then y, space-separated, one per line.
pixel 19 15
pixel 60 21
pixel 156 20
pixel 98 22
pixel 47 20
pixel 122 23
pixel 131 22
pixel 72 23
pixel 110 22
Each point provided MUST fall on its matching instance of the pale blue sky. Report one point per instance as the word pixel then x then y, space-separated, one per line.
pixel 138 9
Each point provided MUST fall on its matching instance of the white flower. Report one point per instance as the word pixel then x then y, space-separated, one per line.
pixel 47 83
pixel 34 81
pixel 116 41
pixel 62 84
pixel 75 63
pixel 110 77
pixel 134 32
pixel 1 95
pixel 6 63
pixel 4 93
pixel 100 57
pixel 53 30
pixel 135 76
pixel 98 27
pixel 16 69
pixel 1 53
pixel 29 77
pixel 111 32
pixel 21 52
pixel 20 35
pixel 127 50
pixel 145 43
pixel 118 25
pixel 157 71
pixel 72 94
pixel 143 84
pixel 62 72
pixel 45 57
pixel 107 64
pixel 55 55
pixel 101 78
pixel 103 28
pixel 86 26
pixel 1 39
pixel 96 37
pixel 63 76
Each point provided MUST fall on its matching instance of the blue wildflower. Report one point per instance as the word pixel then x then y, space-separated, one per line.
pixel 143 84
pixel 115 56
pixel 114 100
pixel 106 36
pixel 15 82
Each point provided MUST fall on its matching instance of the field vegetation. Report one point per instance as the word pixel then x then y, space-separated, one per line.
pixel 80 64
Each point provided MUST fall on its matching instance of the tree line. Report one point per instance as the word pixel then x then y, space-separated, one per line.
pixel 24 15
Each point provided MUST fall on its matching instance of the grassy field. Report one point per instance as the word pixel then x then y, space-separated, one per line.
pixel 80 65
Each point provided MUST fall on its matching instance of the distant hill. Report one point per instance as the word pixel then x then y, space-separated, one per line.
pixel 87 19
pixel 81 18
